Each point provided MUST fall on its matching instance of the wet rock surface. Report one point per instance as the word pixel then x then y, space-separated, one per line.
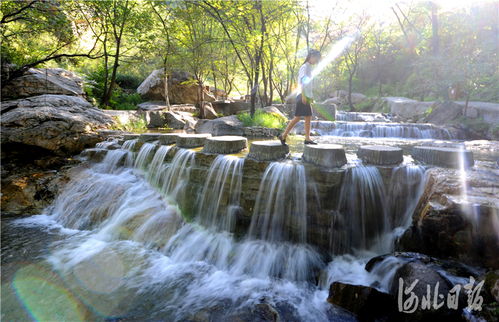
pixel 225 144
pixel 457 217
pixel 365 302
pixel 380 155
pixel 326 155
pixel 444 156
pixel 268 150
pixel 191 140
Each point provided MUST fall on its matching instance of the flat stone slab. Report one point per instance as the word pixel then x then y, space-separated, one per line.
pixel 268 150
pixel 225 144
pixel 380 154
pixel 149 137
pixel 191 140
pixel 127 137
pixel 443 157
pixel 325 155
pixel 168 138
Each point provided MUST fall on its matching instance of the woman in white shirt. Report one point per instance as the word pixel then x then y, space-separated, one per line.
pixel 303 100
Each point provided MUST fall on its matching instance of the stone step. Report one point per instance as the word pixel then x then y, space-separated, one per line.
pixel 191 140
pixel 380 154
pixel 168 138
pixel 444 157
pixel 149 137
pixel 268 150
pixel 132 136
pixel 325 155
pixel 225 144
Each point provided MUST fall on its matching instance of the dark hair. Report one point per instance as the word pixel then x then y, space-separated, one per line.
pixel 312 52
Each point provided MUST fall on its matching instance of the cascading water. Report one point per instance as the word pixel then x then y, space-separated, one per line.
pixel 362 208
pixel 175 176
pixel 280 212
pixel 378 130
pixel 382 217
pixel 131 254
pixel 405 185
pixel 145 155
pixel 219 199
pixel 157 165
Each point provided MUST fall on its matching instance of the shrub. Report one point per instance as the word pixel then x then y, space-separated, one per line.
pixel 139 125
pixel 264 119
pixel 128 81
pixel 120 99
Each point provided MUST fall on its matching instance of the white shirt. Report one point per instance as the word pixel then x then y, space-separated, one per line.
pixel 304 79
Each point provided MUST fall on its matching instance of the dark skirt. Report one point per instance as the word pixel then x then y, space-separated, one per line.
pixel 302 109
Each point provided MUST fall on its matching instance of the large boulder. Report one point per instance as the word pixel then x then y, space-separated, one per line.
pixel 488 112
pixel 209 112
pixel 230 107
pixel 38 81
pixel 227 125
pixel 444 113
pixel 182 88
pixel 341 97
pixel 407 108
pixel 274 110
pixel 61 124
pixel 457 217
pixel 367 303
pixel 423 285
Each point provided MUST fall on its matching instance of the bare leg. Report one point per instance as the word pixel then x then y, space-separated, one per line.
pixel 307 127
pixel 290 126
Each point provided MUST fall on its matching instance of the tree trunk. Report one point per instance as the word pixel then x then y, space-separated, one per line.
pixel 350 81
pixel 200 102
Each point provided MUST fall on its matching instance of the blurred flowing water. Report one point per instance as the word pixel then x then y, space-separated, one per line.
pixel 116 245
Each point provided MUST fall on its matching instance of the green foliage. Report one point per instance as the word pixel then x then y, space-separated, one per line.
pixel 366 105
pixel 120 99
pixel 477 125
pixel 264 119
pixel 137 126
pixel 227 43
pixel 128 81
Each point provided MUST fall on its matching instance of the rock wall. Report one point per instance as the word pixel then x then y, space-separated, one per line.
pixel 457 217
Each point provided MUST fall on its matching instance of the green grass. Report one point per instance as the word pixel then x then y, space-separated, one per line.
pixel 263 119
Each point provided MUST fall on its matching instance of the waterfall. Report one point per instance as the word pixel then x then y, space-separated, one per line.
pixel 129 144
pixel 218 202
pixel 378 129
pixel 280 212
pixel 362 208
pixel 113 160
pixel 145 155
pixel 132 245
pixel 157 165
pixel 279 217
pixel 406 185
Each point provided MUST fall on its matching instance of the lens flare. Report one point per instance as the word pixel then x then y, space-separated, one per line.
pixel 44 297
pixel 333 54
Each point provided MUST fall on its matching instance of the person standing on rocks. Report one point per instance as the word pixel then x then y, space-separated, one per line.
pixel 304 99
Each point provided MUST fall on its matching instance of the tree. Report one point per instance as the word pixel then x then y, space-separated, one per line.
pixel 46 32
